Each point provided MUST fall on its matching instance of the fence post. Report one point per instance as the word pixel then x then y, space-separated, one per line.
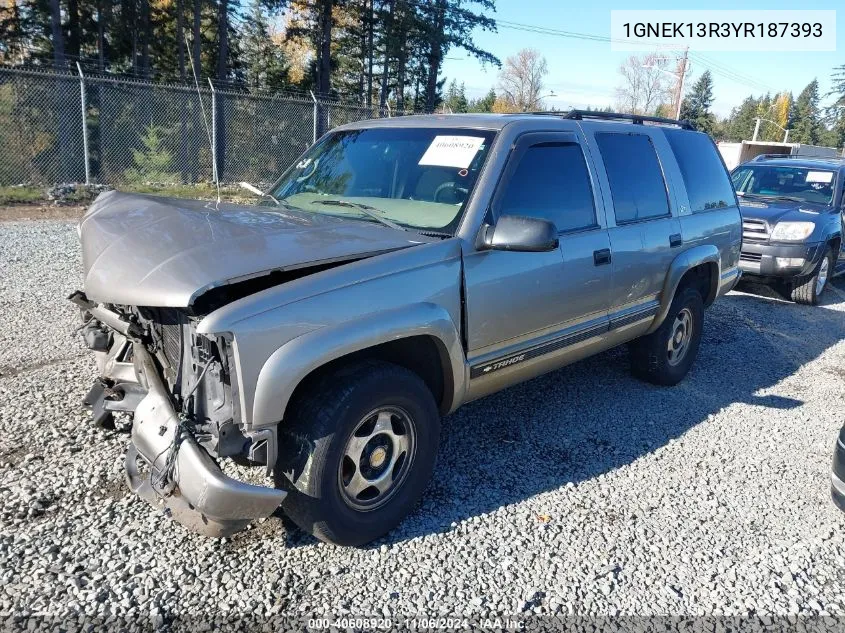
pixel 213 132
pixel 314 140
pixel 86 157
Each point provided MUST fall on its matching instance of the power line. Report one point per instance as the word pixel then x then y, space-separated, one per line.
pixel 716 67
pixel 727 72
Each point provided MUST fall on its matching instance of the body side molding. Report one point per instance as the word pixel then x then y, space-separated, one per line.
pixel 293 361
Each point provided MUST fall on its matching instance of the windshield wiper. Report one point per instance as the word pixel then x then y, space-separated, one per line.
pixel 776 197
pixel 366 209
pixel 790 198
pixel 765 196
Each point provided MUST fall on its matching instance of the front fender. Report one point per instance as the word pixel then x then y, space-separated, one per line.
pixel 293 361
pixel 702 254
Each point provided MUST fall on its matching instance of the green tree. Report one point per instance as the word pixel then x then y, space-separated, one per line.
pixel 262 58
pixel 835 113
pixel 807 126
pixel 153 164
pixel 483 104
pixel 739 126
pixel 695 107
pixel 455 99
pixel 450 24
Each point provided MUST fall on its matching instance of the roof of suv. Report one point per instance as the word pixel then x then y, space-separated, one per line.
pixel 801 161
pixel 492 121
pixel 481 120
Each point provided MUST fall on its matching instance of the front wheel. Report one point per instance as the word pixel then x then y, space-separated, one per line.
pixel 358 452
pixel 808 289
pixel 665 356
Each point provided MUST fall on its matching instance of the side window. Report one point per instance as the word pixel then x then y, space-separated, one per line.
pixel 707 182
pixel 636 180
pixel 551 182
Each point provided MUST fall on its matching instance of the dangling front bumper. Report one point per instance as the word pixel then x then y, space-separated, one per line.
pixel 192 489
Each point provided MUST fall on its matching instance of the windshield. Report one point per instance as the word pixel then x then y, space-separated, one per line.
pixel 802 184
pixel 419 178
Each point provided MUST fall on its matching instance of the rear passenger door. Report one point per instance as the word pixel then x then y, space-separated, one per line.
pixel 644 234
pixel 709 209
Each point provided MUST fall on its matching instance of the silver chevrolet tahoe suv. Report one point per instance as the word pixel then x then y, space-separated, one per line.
pixel 399 269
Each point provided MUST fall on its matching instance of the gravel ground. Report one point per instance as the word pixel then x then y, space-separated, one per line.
pixel 582 492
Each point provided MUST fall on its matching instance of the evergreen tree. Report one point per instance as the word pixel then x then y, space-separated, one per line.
pixel 154 163
pixel 455 100
pixel 836 111
pixel 447 24
pixel 739 126
pixel 483 104
pixel 261 57
pixel 695 108
pixel 372 49
pixel 807 127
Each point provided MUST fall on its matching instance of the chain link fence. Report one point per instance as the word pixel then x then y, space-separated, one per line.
pixel 63 128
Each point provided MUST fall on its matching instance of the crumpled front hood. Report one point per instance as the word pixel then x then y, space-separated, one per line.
pixel 154 251
pixel 774 211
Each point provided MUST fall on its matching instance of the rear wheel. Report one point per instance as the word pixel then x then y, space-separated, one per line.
pixel 808 289
pixel 357 452
pixel 665 356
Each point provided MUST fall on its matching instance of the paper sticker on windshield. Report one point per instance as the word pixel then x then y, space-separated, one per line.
pixel 819 176
pixel 452 151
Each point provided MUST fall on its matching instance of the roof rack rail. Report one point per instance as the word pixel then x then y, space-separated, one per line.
pixel 636 119
pixel 797 157
pixel 765 156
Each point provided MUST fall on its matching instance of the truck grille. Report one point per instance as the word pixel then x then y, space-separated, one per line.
pixel 171 338
pixel 754 231
pixel 170 325
pixel 750 257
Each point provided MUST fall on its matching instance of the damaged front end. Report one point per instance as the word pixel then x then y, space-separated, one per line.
pixel 178 386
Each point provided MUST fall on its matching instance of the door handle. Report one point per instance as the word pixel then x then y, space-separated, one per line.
pixel 601 257
pixel 675 240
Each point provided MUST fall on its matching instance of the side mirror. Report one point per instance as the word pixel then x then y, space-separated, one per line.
pixel 519 233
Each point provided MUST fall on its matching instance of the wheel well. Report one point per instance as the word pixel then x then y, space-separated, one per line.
pixel 836 244
pixel 704 278
pixel 424 355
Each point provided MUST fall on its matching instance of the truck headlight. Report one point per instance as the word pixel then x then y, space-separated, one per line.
pixel 792 231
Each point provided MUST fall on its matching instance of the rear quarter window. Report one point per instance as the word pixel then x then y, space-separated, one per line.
pixel 635 176
pixel 705 177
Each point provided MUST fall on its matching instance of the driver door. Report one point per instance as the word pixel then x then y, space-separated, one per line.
pixel 518 300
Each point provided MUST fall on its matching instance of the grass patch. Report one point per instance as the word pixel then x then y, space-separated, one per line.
pixel 22 194
pixel 78 194
pixel 200 191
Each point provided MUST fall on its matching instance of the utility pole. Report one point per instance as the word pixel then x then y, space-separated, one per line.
pixel 679 76
pixel 682 73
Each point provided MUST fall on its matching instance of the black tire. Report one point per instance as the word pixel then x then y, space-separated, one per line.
pixel 313 441
pixel 650 358
pixel 805 289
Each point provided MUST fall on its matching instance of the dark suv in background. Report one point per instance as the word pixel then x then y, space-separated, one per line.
pixel 792 222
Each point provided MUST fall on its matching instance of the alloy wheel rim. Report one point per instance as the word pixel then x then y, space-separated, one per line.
pixel 821 279
pixel 377 458
pixel 679 341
